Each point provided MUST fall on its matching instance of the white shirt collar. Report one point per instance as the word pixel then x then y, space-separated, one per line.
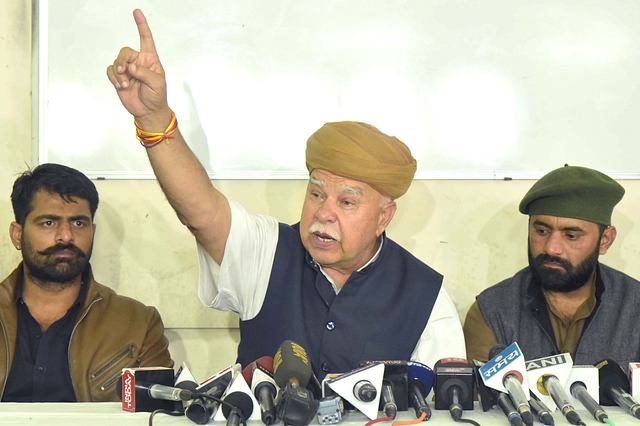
pixel 373 259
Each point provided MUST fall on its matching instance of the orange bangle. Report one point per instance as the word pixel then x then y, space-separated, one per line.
pixel 150 139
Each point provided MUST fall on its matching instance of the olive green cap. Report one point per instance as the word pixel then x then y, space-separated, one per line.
pixel 575 192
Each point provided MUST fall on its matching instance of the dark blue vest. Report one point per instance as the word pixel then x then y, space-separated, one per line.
pixel 380 312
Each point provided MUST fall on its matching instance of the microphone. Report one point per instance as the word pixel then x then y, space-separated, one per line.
pixel 454 386
pixel 168 393
pixel 420 383
pixel 489 397
pixel 292 371
pixel 365 391
pixel 259 375
pixel 360 387
pixel 579 391
pixel 546 373
pixel 614 387
pixel 291 365
pixel 149 389
pixel 506 372
pixel 541 410
pixel 509 410
pixel 582 378
pixel 555 389
pixel 387 400
pixel 396 375
pixel 243 408
pixel 202 409
pixel 185 380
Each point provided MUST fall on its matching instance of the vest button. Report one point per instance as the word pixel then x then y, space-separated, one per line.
pixel 325 367
pixel 535 311
pixel 330 325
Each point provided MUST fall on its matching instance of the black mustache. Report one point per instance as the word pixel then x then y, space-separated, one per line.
pixel 61 247
pixel 548 258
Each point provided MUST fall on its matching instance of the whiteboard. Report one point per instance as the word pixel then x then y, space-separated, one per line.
pixel 481 89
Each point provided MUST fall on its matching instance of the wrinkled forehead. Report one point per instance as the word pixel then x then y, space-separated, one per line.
pixel 330 181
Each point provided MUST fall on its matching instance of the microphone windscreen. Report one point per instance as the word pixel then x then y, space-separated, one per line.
pixel 496 349
pixel 247 373
pixel 611 375
pixel 291 362
pixel 239 400
pixel 185 380
pixel 454 373
pixel 422 375
pixel 266 362
pixel 200 412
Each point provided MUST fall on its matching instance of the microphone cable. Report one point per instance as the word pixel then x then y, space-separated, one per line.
pixel 167 412
pixel 410 422
pixel 608 420
pixel 458 418
pixel 455 409
pixel 378 420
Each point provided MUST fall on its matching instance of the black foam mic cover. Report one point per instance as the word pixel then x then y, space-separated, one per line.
pixel 496 349
pixel 611 375
pixel 291 364
pixel 242 402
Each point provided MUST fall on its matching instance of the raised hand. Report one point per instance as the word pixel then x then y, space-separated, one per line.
pixel 140 81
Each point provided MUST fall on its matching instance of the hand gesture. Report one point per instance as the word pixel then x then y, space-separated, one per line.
pixel 139 78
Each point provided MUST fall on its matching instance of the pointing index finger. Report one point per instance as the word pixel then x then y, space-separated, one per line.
pixel 146 38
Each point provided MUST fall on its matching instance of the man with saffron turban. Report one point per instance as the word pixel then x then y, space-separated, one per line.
pixel 334 283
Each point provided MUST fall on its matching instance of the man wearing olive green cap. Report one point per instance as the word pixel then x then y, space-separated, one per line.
pixel 565 300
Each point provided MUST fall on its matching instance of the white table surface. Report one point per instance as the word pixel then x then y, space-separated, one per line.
pixel 108 413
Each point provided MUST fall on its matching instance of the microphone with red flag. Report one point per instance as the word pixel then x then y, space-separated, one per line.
pixel 259 375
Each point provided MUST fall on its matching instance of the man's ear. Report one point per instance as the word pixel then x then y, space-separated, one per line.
pixel 607 239
pixel 15 232
pixel 386 214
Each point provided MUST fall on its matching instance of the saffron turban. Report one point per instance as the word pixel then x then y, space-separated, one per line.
pixel 361 152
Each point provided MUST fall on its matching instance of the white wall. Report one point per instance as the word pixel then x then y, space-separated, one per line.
pixel 468 230
pixel 476 88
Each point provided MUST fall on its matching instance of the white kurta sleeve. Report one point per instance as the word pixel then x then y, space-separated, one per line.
pixel 240 283
pixel 443 336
